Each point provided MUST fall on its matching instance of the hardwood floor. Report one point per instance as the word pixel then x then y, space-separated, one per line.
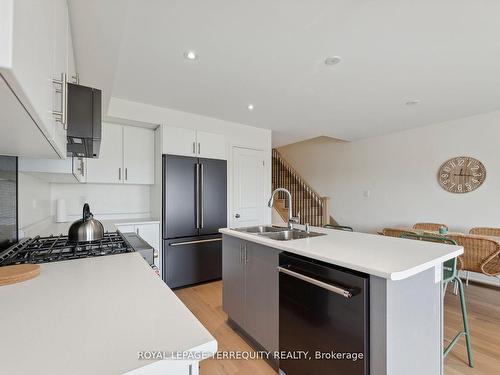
pixel 205 301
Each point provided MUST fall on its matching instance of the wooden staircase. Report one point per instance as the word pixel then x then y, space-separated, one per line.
pixel 307 204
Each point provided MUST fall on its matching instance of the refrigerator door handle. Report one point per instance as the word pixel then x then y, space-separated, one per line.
pixel 202 195
pixel 197 188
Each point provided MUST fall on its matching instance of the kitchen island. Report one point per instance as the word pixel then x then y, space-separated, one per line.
pixel 405 297
pixel 99 315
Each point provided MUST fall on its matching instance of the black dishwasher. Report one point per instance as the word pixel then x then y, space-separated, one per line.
pixel 324 311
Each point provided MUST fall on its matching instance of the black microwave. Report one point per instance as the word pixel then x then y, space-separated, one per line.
pixel 84 121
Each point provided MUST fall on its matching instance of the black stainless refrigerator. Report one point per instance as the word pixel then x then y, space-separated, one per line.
pixel 194 208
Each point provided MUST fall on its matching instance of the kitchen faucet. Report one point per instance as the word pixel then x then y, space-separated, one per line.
pixel 291 219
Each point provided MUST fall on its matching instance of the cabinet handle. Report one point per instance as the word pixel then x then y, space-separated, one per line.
pixel 194 147
pixel 199 148
pixel 119 174
pixel 76 78
pixel 126 173
pixel 82 167
pixel 246 254
pixel 62 115
pixel 137 231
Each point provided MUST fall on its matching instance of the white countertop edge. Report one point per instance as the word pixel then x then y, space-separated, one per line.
pixel 394 276
pixel 206 350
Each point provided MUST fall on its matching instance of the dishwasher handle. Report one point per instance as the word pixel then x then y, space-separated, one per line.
pixel 346 293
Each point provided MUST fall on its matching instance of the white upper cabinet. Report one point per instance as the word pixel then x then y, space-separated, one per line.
pixel 179 141
pixel 109 167
pixel 60 69
pixel 70 170
pixel 138 155
pixel 191 142
pixel 126 156
pixel 210 145
pixel 33 52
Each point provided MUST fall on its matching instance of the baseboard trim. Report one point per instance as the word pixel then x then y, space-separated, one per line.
pixel 274 363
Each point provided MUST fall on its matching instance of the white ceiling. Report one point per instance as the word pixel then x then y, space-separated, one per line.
pixel 445 53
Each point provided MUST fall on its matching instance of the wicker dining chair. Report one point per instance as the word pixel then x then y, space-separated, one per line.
pixel 450 274
pixel 480 254
pixel 485 231
pixel 394 232
pixel 429 226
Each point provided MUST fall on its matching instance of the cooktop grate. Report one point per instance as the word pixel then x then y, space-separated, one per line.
pixel 56 248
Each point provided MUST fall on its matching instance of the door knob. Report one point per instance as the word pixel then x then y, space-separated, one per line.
pixel 237 216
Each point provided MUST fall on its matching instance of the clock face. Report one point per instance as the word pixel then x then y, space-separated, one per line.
pixel 461 174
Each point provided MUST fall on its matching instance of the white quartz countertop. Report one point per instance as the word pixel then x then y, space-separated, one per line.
pixel 386 257
pixel 47 228
pixel 93 316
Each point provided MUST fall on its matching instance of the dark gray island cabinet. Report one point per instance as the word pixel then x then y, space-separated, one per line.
pixel 404 330
pixel 250 292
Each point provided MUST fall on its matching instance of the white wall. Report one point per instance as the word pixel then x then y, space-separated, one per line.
pixel 106 201
pixel 34 200
pixel 400 172
pixel 37 200
pixel 235 135
pixel 144 113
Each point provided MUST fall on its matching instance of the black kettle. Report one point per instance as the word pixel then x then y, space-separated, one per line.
pixel 87 228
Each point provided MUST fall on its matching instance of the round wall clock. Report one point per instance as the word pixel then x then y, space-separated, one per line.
pixel 462 174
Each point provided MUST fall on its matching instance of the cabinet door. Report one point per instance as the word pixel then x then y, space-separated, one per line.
pixel 28 65
pixel 210 145
pixel 60 64
pixel 262 295
pixel 233 276
pixel 178 141
pixel 108 168
pixel 72 72
pixel 138 155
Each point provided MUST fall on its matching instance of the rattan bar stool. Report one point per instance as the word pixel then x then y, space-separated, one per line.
pixel 429 226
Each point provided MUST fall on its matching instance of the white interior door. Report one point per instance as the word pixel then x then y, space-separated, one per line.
pixel 249 200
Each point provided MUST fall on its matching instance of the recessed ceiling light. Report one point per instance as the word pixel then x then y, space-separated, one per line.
pixel 413 102
pixel 190 55
pixel 250 107
pixel 332 60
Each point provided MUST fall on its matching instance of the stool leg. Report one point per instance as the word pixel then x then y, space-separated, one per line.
pixel 445 286
pixel 455 287
pixel 465 318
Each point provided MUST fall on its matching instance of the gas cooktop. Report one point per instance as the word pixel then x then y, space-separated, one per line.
pixel 56 248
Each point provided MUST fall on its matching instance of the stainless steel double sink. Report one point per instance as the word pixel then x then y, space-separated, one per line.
pixel 278 233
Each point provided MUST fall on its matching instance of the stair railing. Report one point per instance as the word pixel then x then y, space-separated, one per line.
pixel 307 204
